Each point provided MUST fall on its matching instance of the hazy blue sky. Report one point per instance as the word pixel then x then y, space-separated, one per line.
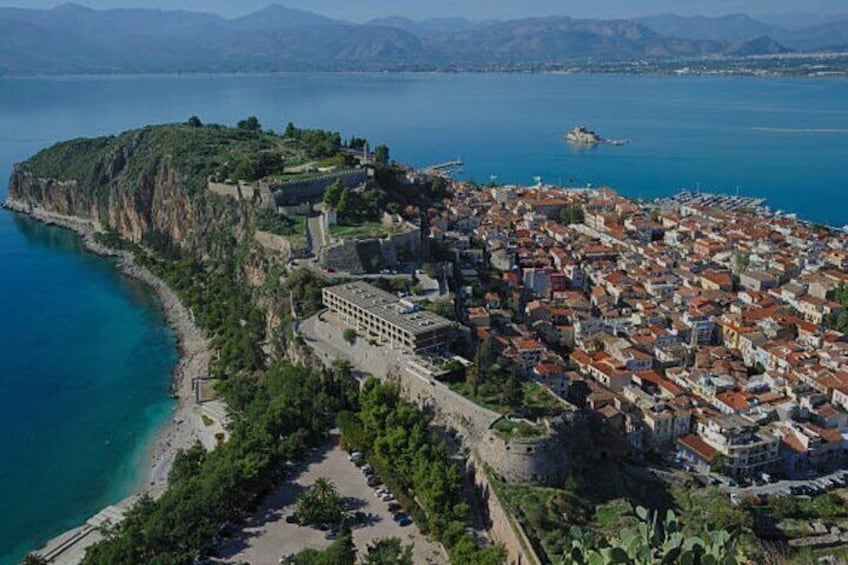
pixel 476 9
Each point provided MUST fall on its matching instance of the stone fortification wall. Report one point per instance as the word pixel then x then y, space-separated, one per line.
pixel 243 191
pixel 468 419
pixel 353 255
pixel 502 527
pixel 342 256
pixel 526 460
pixel 297 191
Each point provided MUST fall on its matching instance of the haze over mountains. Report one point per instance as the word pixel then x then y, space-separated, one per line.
pixel 73 39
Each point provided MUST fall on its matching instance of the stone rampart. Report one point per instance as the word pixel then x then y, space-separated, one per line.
pixel 539 460
pixel 501 525
pixel 242 190
pixel 451 409
pixel 296 191
pixel 357 255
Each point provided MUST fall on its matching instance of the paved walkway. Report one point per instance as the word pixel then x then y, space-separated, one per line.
pixel 267 536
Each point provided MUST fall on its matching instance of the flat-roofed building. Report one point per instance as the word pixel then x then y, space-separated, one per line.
pixel 387 318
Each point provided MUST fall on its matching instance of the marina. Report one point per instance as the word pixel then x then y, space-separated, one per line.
pixel 714 200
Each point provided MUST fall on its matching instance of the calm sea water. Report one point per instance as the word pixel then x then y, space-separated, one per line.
pixel 85 354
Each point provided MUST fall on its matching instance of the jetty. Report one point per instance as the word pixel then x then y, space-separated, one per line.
pixel 446 168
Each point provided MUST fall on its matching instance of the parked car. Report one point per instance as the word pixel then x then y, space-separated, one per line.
pixel 373 481
pixel 355 455
pixel 387 497
pixel 403 520
pixel 287 558
pixel 331 534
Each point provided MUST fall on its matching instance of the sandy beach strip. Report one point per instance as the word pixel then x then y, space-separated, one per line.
pixel 187 424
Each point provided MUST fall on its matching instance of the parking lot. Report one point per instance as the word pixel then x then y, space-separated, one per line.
pixel 267 536
pixel 810 486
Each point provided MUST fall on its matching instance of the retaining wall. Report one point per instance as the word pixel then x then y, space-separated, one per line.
pixel 501 525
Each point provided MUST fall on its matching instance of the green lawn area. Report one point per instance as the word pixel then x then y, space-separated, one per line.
pixel 367 229
pixel 540 401
pixel 490 401
pixel 507 429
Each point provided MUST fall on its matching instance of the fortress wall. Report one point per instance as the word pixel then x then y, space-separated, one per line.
pixel 296 191
pixel 520 460
pixel 502 527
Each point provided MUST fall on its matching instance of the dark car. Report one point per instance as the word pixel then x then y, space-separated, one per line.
pixel 403 520
pixel 292 519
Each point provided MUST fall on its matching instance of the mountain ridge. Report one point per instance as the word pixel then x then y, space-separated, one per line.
pixel 70 38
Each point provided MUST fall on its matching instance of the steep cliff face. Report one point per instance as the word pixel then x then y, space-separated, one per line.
pixel 146 184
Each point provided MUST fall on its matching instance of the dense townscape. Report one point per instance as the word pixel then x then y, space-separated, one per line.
pixel 687 328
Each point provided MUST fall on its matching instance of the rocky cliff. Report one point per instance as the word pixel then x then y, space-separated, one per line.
pixel 148 187
pixel 131 184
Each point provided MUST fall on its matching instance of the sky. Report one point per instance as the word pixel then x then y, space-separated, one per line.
pixel 361 10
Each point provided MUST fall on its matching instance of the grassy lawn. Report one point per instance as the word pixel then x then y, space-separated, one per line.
pixel 507 429
pixel 367 229
pixel 484 399
pixel 539 400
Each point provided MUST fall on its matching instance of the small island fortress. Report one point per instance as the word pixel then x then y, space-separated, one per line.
pixel 584 137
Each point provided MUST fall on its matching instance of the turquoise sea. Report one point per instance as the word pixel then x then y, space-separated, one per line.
pixel 85 354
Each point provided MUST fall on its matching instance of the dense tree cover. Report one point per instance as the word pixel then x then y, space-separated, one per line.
pixel 224 309
pixel 250 124
pixel 305 287
pixel 319 144
pixel 572 214
pixel 840 322
pixel 194 152
pixel 354 205
pixel 341 552
pixel 252 167
pixel 321 504
pixel 275 417
pixel 417 465
pixel 390 551
pixel 381 155
pixel 270 221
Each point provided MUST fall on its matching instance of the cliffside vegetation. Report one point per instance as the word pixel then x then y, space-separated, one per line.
pixel 276 416
pixel 418 467
pixel 196 152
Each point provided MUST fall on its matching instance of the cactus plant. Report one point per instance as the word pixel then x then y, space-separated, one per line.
pixel 653 542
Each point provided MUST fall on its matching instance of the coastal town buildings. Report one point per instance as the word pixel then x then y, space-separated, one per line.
pixel 388 319
pixel 698 327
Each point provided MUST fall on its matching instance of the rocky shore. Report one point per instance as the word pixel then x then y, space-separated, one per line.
pixel 187 424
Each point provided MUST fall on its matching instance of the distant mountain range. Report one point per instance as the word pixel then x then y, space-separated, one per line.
pixel 75 39
pixel 740 27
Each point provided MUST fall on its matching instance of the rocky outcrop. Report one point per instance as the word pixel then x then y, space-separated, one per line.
pixel 133 186
pixel 154 205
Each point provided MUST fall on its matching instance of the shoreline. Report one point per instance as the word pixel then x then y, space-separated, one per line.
pixel 186 424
